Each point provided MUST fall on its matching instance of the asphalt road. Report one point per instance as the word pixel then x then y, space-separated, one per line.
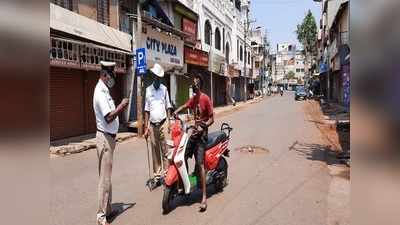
pixel 288 184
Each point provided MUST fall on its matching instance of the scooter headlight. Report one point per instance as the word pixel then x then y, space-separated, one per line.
pixel 170 143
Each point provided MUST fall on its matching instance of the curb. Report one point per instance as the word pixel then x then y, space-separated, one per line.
pixel 73 148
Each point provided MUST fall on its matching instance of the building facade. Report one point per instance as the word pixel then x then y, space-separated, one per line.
pixel 288 60
pixel 82 33
pixel 334 51
pixel 201 37
pixel 260 59
pixel 300 66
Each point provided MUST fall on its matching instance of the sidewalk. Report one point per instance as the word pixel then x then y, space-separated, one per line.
pixel 334 112
pixel 333 120
pixel 82 143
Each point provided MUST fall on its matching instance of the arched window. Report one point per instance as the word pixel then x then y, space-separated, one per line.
pixel 217 39
pixel 248 57
pixel 227 52
pixel 241 53
pixel 207 32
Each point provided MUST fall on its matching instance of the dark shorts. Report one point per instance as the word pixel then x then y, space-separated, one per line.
pixel 197 147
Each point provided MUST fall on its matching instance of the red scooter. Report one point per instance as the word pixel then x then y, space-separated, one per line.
pixel 177 180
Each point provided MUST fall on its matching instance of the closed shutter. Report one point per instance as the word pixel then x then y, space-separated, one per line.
pixel 219 90
pixel 238 88
pixel 66 103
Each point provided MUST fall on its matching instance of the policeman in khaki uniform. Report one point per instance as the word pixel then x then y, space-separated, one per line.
pixel 157 115
pixel 107 127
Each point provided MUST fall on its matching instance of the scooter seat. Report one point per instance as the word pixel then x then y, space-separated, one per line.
pixel 214 138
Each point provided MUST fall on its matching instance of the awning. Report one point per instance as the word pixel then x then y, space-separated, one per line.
pixel 72 23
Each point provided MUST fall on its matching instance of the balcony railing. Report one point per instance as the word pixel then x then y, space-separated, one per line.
pixel 75 54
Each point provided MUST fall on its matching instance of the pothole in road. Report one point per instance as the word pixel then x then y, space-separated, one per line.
pixel 252 149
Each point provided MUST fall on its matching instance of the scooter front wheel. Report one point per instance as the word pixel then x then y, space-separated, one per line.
pixel 222 180
pixel 167 198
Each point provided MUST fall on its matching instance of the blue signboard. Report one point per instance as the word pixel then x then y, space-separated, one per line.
pixel 141 65
pixel 323 68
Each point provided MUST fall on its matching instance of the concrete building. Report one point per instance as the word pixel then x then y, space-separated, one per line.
pixel 260 50
pixel 82 33
pixel 208 38
pixel 220 35
pixel 334 51
pixel 299 65
pixel 285 57
pixel 288 59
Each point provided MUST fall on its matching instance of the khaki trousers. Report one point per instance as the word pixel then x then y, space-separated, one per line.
pixel 158 135
pixel 105 151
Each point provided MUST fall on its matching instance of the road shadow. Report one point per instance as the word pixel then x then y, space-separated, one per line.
pixel 118 209
pixel 316 152
pixel 190 199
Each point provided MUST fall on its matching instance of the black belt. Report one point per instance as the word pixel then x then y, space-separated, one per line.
pixel 112 135
pixel 158 123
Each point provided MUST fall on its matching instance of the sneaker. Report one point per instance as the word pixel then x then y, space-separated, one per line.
pixel 104 222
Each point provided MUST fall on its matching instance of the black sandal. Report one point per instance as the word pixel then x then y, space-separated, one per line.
pixel 203 207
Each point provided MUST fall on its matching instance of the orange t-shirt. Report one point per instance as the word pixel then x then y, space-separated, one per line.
pixel 201 106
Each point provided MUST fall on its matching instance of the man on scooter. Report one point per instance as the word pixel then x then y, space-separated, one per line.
pixel 202 108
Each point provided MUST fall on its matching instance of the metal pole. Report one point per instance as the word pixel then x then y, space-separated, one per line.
pixel 328 88
pixel 211 66
pixel 263 66
pixel 276 57
pixel 139 79
pixel 132 80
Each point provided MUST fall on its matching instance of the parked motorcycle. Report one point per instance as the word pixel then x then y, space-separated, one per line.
pixel 177 180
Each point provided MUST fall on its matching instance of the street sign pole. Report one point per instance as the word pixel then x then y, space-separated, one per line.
pixel 139 80
pixel 141 61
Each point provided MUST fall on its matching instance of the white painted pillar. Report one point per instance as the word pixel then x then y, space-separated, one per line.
pixel 174 88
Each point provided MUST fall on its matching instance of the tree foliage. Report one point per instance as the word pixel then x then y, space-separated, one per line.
pixel 307 33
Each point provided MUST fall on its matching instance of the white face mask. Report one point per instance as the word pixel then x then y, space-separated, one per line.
pixel 192 92
pixel 111 82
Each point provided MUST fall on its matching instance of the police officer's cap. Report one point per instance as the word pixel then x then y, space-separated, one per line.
pixel 108 66
pixel 105 65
